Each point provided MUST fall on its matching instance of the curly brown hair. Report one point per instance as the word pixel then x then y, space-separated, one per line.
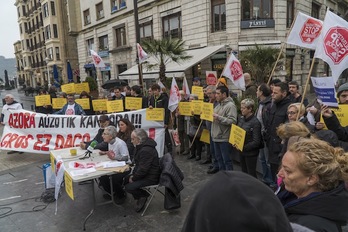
pixel 295 128
pixel 316 157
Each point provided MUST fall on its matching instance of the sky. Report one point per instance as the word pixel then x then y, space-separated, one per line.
pixel 9 29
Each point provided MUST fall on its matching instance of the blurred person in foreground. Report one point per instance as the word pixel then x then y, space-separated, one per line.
pixel 235 201
pixel 313 175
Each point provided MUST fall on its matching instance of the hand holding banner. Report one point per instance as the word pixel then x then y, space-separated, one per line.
pixel 155 114
pixel 207 111
pixel 99 105
pixel 134 103
pixel 41 100
pixel 114 106
pixel 196 107
pixel 237 137
pixel 185 108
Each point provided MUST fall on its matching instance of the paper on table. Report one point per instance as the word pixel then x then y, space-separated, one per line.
pixel 82 172
pixel 114 164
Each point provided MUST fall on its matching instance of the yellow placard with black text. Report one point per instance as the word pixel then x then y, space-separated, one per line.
pixel 205 136
pixel 198 90
pixel 342 114
pixel 207 111
pixel 58 103
pixel 69 185
pixel 68 88
pixel 99 104
pixel 114 106
pixel 84 103
pixel 42 100
pixel 80 87
pixel 134 103
pixel 237 137
pixel 155 114
pixel 196 107
pixel 185 108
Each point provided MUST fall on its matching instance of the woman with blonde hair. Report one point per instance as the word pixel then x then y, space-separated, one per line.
pixel 293 110
pixel 314 175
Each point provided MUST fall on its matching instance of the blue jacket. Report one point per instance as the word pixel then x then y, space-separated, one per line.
pixel 77 108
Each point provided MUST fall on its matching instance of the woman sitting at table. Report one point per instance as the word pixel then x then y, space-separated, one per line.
pixel 125 128
pixel 313 174
pixel 117 150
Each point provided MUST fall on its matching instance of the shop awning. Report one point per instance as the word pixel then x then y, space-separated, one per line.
pixel 172 68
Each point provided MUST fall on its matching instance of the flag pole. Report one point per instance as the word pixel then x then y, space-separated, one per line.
pixel 199 127
pixel 281 51
pixel 305 88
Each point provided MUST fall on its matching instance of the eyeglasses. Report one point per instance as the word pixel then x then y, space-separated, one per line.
pixel 291 112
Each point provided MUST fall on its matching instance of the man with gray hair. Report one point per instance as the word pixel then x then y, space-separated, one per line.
pixel 11 104
pixel 147 169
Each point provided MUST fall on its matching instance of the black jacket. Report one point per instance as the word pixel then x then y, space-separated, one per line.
pixel 171 175
pixel 235 201
pixel 161 102
pixel 324 211
pixel 146 162
pixel 253 138
pixel 334 124
pixel 277 116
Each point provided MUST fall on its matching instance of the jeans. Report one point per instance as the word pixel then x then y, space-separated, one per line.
pixel 266 168
pixel 222 154
pixel 213 157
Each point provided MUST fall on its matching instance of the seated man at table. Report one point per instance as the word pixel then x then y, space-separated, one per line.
pixel 104 121
pixel 147 168
pixel 117 150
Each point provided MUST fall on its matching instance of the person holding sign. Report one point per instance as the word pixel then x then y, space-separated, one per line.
pixel 44 109
pixel 71 108
pixel 195 131
pixel 253 139
pixel 90 111
pixel 225 114
pixel 136 92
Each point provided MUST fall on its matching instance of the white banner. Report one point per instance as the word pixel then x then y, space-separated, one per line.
pixel 324 88
pixel 305 31
pixel 28 131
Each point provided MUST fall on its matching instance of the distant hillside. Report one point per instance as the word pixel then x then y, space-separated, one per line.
pixel 9 65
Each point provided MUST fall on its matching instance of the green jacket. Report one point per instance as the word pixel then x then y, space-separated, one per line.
pixel 227 111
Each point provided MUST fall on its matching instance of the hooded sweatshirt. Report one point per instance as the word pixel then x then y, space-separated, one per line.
pixel 235 201
pixel 227 111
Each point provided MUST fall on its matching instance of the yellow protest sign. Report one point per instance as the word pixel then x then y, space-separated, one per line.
pixel 58 103
pixel 115 106
pixel 205 136
pixel 155 114
pixel 341 113
pixel 134 103
pixel 198 90
pixel 84 103
pixel 69 185
pixel 185 108
pixel 237 137
pixel 42 100
pixel 196 107
pixel 52 162
pixel 99 104
pixel 82 87
pixel 68 88
pixel 207 111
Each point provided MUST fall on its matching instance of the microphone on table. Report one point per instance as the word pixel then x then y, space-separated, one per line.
pixel 90 149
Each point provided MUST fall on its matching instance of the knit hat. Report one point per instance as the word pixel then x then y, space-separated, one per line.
pixel 223 81
pixel 342 88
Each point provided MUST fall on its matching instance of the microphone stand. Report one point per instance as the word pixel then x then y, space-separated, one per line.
pixel 86 155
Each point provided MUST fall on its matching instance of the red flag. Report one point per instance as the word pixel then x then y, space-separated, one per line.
pixel 174 96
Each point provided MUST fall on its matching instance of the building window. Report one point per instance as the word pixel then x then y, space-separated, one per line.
pixel 289 12
pixel 146 30
pixel 55 31
pixel 57 53
pixel 257 9
pixel 117 5
pixel 172 26
pixel 47 32
pixel 120 33
pixel 53 9
pixel 121 68
pixel 103 43
pixel 90 46
pixel 315 10
pixel 99 10
pixel 87 17
pixel 218 15
pixel 50 53
pixel 45 10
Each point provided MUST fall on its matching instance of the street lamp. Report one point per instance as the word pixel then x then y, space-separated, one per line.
pixel 48 72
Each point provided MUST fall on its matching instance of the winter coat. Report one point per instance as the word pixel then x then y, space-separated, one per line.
pixel 220 129
pixel 77 108
pixel 146 162
pixel 332 123
pixel 277 116
pixel 319 211
pixel 253 138
pixel 161 102
pixel 171 175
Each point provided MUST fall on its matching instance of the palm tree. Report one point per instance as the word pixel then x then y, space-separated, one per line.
pixel 164 51
pixel 259 61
